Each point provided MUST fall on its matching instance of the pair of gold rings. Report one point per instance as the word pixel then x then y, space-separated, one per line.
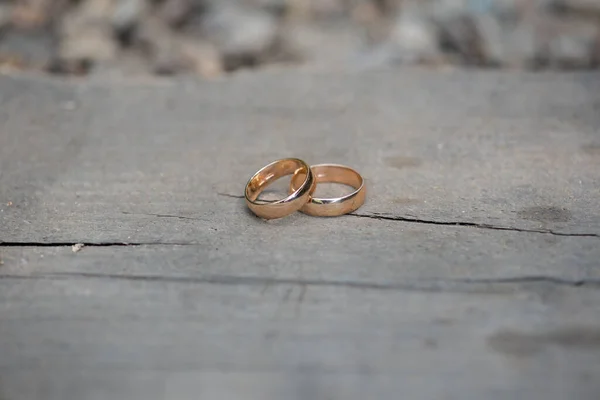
pixel 302 186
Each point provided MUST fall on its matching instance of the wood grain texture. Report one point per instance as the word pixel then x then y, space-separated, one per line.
pixel 472 271
pixel 154 323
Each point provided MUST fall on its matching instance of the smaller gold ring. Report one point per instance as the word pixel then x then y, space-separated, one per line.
pixel 331 207
pixel 269 174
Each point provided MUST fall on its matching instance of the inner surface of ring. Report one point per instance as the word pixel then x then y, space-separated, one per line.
pixel 270 174
pixel 330 174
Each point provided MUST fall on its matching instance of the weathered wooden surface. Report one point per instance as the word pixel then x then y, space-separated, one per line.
pixel 150 322
pixel 473 270
pixel 90 162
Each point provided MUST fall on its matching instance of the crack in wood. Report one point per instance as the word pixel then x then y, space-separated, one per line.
pixel 165 216
pixel 92 244
pixel 233 196
pixel 429 285
pixel 470 224
pixel 387 217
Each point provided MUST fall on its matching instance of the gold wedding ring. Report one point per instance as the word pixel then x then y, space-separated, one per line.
pixel 297 198
pixel 331 173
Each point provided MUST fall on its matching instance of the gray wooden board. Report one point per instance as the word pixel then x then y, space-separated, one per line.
pixel 100 162
pixel 379 251
pixel 153 322
pixel 471 272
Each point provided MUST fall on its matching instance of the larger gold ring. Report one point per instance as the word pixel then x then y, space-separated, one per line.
pixel 269 174
pixel 332 207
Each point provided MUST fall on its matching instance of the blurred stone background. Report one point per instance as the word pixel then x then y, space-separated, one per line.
pixel 214 37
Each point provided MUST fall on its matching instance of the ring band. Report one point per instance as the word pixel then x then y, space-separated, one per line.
pixel 332 173
pixel 270 173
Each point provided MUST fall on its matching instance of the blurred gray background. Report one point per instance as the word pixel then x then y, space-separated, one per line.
pixel 214 37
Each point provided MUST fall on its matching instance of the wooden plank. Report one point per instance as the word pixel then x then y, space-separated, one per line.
pixel 109 162
pixel 409 253
pixel 108 327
